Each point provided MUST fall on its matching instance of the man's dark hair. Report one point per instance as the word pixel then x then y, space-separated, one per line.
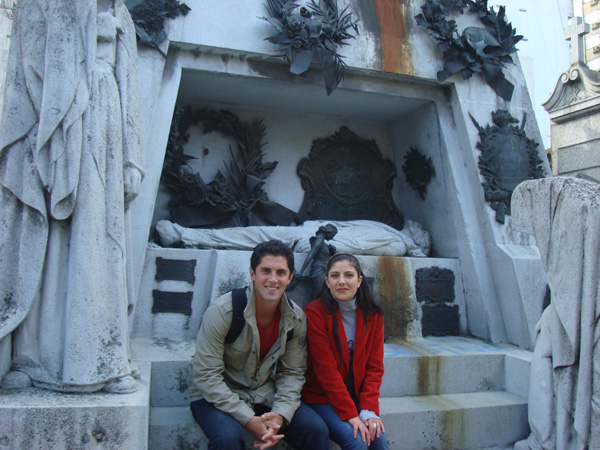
pixel 274 248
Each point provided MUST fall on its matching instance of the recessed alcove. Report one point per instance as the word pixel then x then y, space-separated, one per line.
pixel 394 112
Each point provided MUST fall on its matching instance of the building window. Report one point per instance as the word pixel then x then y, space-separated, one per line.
pixel 592 40
pixel 594 64
pixel 592 17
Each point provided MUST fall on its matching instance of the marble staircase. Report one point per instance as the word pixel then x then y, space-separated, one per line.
pixel 437 393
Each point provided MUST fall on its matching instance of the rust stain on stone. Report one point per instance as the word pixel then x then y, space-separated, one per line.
pixel 395 47
pixel 428 375
pixel 395 295
pixel 452 428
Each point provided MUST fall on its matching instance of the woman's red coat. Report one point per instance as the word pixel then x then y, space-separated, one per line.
pixel 325 375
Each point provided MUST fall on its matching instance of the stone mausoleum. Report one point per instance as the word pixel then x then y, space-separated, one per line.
pixel 425 131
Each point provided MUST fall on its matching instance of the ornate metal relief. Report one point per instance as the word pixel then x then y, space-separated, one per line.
pixel 484 50
pixel 346 178
pixel 149 17
pixel 234 198
pixel 434 285
pixel 440 320
pixel 418 170
pixel 312 34
pixel 175 269
pixel 508 157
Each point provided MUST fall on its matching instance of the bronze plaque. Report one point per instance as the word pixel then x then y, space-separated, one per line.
pixel 172 302
pixel 175 269
pixel 434 285
pixel 440 320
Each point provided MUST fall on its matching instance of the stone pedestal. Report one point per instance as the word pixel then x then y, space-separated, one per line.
pixel 179 284
pixel 574 110
pixel 37 419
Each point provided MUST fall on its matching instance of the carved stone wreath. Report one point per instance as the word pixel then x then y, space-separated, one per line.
pixel 234 198
pixel 486 50
pixel 312 34
pixel 508 157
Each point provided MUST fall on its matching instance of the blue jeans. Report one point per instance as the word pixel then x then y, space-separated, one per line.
pixel 341 432
pixel 306 431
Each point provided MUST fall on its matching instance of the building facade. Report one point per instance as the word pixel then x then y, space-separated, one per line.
pixel 543 52
pixel 590 11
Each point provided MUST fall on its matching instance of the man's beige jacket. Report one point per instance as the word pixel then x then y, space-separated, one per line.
pixel 231 377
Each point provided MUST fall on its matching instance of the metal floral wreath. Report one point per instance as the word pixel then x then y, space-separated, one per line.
pixel 485 50
pixel 312 34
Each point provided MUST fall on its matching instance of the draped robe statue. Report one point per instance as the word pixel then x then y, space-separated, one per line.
pixel 564 393
pixel 71 160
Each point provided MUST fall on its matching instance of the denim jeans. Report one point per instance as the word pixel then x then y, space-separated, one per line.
pixel 306 431
pixel 341 432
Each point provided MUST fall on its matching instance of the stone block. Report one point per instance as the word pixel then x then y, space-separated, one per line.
pixel 36 419
pixel 579 157
pixel 464 421
pixel 433 366
pixel 470 421
pixel 392 279
pixel 517 373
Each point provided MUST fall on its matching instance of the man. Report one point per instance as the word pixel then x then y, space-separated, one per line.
pixel 254 382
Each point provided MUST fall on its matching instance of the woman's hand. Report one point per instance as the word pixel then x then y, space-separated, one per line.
pixel 359 426
pixel 375 427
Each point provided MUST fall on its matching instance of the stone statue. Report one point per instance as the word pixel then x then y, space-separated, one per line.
pixel 361 237
pixel 320 252
pixel 71 161
pixel 564 394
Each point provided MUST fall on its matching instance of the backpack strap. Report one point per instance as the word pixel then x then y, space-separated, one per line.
pixel 290 333
pixel 239 302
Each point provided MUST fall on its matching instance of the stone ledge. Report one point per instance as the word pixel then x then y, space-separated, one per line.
pixel 472 421
pixel 36 419
pixel 428 366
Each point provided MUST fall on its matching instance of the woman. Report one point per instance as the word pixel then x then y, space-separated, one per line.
pixel 345 357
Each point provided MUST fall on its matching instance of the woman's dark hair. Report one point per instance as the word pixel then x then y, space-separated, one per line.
pixel 364 299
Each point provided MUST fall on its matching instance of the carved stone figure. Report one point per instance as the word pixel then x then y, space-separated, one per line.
pixel 71 161
pixel 564 394
pixel 361 237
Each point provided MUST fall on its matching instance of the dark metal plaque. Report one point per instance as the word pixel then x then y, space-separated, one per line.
pixel 175 269
pixel 508 157
pixel 172 302
pixel 346 178
pixel 440 320
pixel 435 285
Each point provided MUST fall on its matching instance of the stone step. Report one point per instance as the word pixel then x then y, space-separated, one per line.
pixel 480 420
pixel 429 366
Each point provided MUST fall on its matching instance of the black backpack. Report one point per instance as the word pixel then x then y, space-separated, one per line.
pixel 239 302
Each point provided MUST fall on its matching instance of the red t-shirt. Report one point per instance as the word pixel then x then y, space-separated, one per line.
pixel 269 335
